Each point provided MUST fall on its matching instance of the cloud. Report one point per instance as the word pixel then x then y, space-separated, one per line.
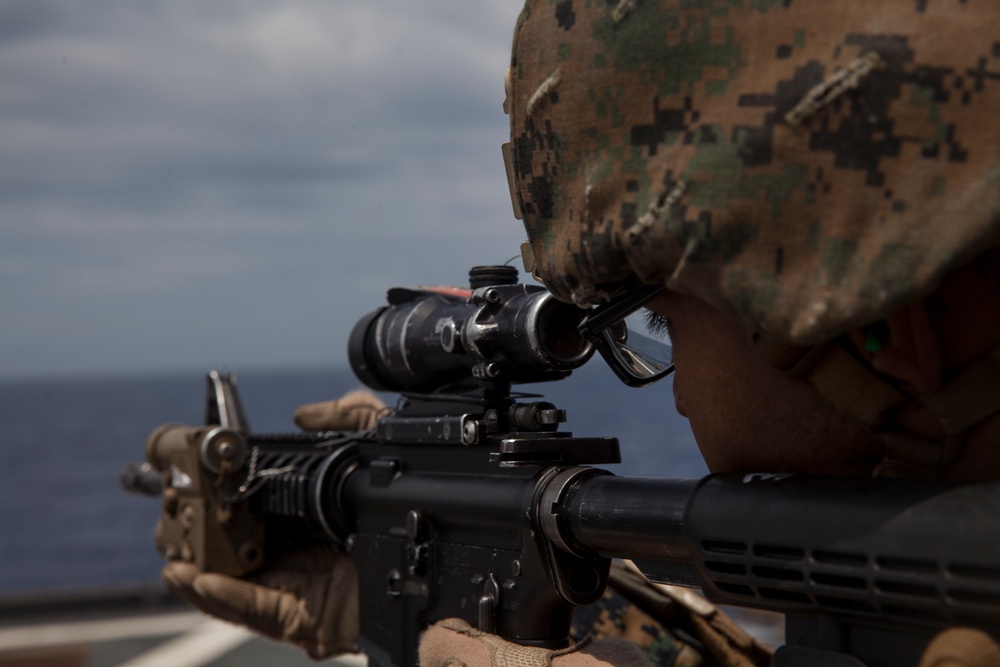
pixel 176 166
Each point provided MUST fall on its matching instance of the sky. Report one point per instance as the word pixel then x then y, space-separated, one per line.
pixel 187 184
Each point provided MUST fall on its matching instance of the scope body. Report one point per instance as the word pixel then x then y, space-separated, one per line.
pixel 426 339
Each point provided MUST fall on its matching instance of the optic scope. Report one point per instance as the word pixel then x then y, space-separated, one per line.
pixel 497 330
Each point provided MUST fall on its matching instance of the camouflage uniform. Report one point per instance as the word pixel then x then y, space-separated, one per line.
pixel 808 166
pixel 614 616
pixel 675 627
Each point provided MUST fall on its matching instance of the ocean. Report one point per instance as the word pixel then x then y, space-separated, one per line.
pixel 67 525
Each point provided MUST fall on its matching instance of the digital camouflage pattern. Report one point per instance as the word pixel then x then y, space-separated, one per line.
pixel 615 616
pixel 808 166
pixel 674 627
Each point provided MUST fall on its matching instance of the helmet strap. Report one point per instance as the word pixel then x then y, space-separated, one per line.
pixel 964 401
pixel 855 389
pixel 839 377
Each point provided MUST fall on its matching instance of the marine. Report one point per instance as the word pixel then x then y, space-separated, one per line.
pixel 806 197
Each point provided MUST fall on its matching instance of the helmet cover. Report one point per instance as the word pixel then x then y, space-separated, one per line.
pixel 808 166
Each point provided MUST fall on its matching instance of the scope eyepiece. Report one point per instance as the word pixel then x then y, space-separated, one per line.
pixel 427 338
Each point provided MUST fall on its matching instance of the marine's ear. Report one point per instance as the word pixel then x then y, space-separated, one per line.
pixel 904 346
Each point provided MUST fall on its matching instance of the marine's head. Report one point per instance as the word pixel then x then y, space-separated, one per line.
pixel 805 169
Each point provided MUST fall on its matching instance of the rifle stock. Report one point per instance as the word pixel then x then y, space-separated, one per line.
pixel 866 571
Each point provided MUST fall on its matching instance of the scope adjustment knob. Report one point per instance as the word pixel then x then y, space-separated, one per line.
pixel 489 275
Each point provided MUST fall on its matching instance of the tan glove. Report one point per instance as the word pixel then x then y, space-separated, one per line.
pixel 355 411
pixel 454 643
pixel 308 598
pixel 961 647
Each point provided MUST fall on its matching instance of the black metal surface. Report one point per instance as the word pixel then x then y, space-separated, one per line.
pixel 642 519
pixel 871 548
pixel 868 568
pixel 427 340
pixel 142 478
pixel 484 276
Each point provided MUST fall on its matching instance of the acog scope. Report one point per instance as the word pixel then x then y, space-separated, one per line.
pixel 498 330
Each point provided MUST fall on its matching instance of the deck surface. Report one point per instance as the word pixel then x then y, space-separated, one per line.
pixel 147 628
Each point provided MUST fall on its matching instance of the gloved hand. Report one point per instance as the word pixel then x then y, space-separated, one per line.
pixel 454 643
pixel 354 411
pixel 308 597
pixel 961 647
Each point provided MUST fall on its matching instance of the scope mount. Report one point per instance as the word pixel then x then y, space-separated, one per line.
pixel 486 414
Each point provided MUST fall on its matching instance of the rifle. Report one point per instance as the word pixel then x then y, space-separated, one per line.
pixel 467 501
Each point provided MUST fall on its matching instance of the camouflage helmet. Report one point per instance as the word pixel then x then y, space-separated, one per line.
pixel 809 166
